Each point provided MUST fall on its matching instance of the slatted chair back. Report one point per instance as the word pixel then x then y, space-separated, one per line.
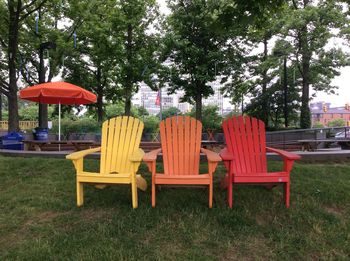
pixel 245 139
pixel 121 137
pixel 181 143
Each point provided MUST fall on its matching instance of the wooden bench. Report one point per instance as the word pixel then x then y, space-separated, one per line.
pixel 150 145
pixel 55 145
pixel 39 145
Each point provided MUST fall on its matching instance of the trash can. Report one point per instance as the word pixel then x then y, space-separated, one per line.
pixel 12 141
pixel 40 133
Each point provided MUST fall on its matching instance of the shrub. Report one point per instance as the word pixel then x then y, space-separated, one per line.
pixel 151 124
pixel 318 125
pixel 69 127
pixel 169 112
pixel 337 123
pixel 211 119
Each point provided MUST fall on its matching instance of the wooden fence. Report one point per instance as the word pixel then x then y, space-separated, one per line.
pixel 23 125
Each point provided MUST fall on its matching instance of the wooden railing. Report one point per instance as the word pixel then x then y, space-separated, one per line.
pixel 23 125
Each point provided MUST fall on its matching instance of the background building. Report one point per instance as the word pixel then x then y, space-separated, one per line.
pixel 321 112
pixel 146 98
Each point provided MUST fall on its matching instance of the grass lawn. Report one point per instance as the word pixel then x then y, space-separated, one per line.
pixel 39 219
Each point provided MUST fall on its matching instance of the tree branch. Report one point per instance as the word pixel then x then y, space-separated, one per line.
pixel 295 4
pixel 3 43
pixel 34 63
pixel 4 91
pixel 3 83
pixel 33 10
pixel 28 5
pixel 4 87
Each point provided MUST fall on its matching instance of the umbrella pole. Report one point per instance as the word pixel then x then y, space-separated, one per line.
pixel 59 125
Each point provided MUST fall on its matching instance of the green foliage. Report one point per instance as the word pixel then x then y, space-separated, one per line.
pixel 196 46
pixel 30 112
pixel 69 126
pixel 137 50
pixel 141 111
pixel 92 63
pixel 151 124
pixel 211 119
pixel 169 112
pixel 117 109
pixel 318 125
pixel 311 25
pixel 337 123
pixel 113 110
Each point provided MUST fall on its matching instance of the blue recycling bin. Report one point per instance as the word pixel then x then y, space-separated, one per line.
pixel 41 133
pixel 11 141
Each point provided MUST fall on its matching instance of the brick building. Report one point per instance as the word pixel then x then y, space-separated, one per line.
pixel 321 112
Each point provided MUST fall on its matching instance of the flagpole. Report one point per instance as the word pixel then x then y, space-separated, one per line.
pixel 160 107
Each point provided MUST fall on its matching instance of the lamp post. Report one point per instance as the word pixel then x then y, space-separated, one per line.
pixel 42 73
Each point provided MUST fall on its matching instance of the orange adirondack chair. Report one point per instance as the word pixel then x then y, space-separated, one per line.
pixel 120 158
pixel 245 156
pixel 181 147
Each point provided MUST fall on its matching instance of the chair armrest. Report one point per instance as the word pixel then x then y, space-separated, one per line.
pixel 81 154
pixel 137 156
pixel 284 154
pixel 226 155
pixel 151 156
pixel 212 156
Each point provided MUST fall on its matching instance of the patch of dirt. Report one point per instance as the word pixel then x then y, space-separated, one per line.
pixel 253 248
pixel 92 214
pixel 337 211
pixel 42 217
pixel 17 236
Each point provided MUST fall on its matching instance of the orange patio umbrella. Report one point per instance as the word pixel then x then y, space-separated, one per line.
pixel 57 93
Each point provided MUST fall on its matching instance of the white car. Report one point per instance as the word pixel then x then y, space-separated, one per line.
pixel 341 134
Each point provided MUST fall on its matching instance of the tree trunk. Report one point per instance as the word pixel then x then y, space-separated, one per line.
pixel 199 105
pixel 265 102
pixel 0 106
pixel 42 107
pixel 285 92
pixel 99 96
pixel 12 53
pixel 305 116
pixel 129 83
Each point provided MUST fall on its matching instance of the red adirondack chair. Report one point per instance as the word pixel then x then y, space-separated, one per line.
pixel 181 147
pixel 245 156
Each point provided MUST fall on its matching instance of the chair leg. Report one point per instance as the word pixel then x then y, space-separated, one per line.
pixel 80 194
pixel 287 194
pixel 134 193
pixel 153 195
pixel 211 194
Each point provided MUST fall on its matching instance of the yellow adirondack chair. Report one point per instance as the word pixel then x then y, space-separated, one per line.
pixel 120 157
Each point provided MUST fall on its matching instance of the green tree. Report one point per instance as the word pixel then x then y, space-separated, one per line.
pixel 12 15
pixel 137 58
pixel 169 112
pixel 93 62
pixel 194 48
pixel 318 125
pixel 206 41
pixel 310 25
pixel 41 46
pixel 337 123
pixel 212 119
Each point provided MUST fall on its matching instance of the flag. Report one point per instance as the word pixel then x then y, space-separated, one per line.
pixel 158 99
